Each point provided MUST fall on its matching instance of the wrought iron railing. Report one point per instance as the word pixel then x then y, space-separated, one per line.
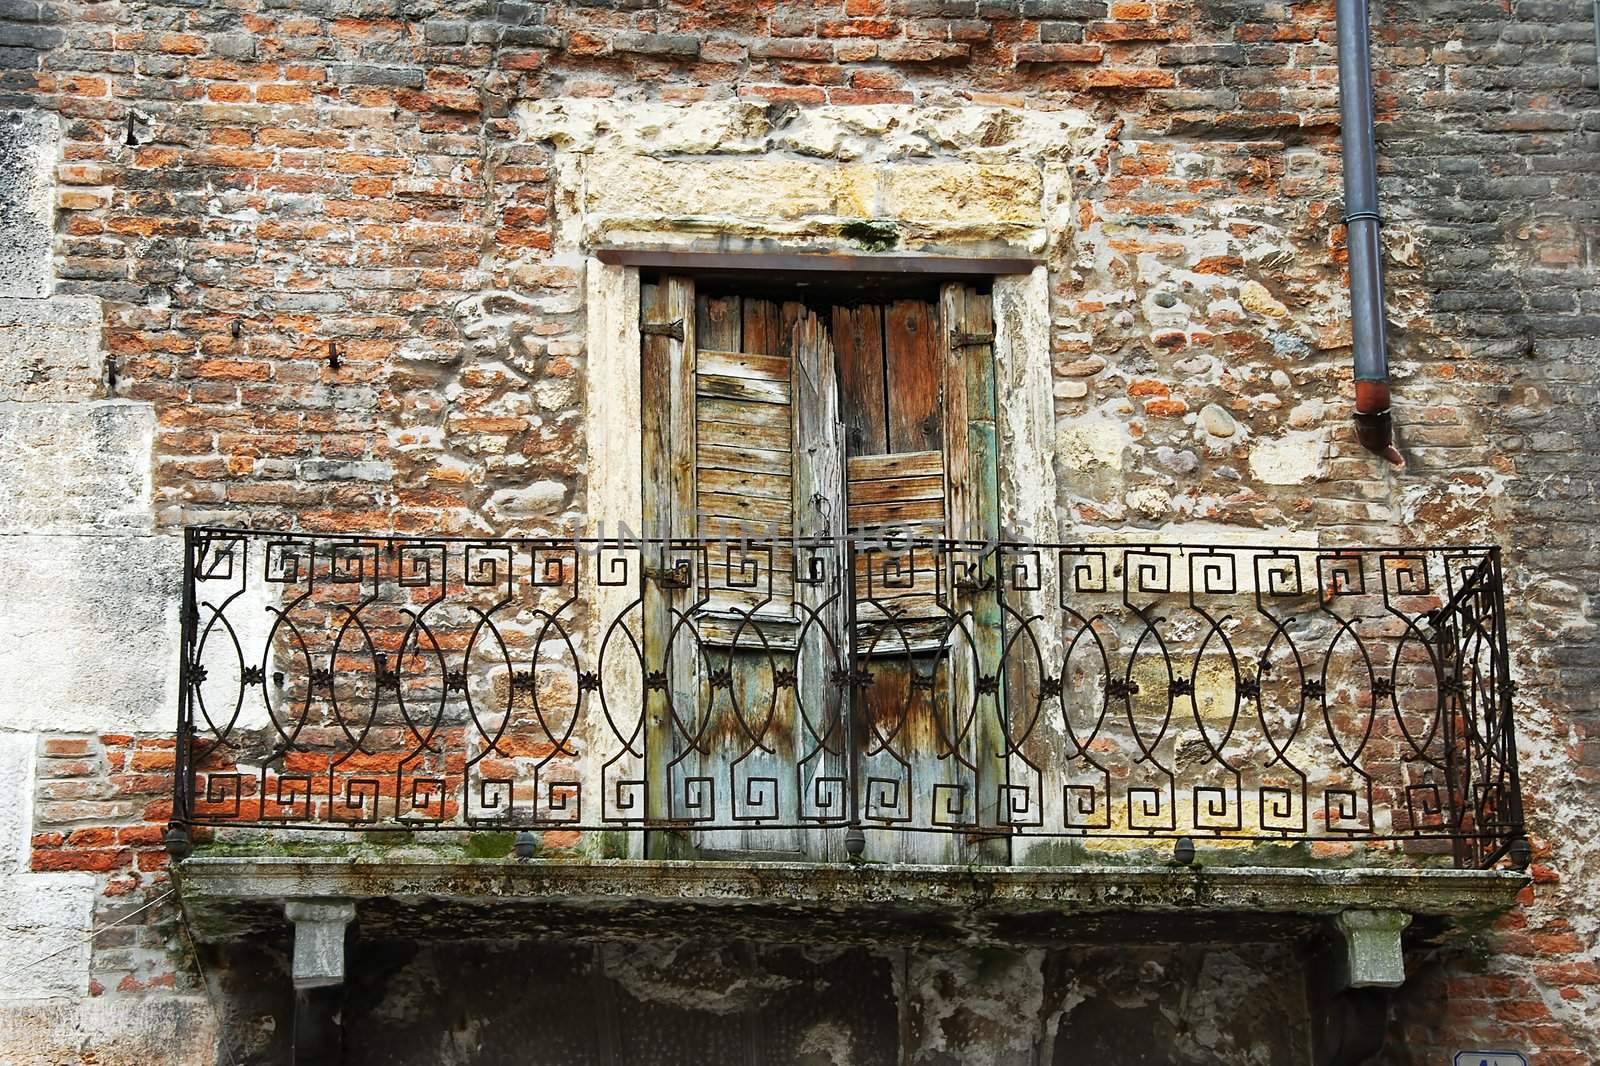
pixel 923 700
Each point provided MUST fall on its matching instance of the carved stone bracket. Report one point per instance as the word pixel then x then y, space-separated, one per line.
pixel 1372 953
pixel 319 929
pixel 318 971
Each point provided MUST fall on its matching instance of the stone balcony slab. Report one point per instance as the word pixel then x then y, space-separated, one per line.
pixel 235 896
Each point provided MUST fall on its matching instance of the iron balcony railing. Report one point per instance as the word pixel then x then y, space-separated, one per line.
pixel 915 700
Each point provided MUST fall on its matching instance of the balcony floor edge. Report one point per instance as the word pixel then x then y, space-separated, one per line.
pixel 236 896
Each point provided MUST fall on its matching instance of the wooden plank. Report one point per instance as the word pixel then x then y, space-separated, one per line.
pixel 659 357
pixel 736 761
pixel 745 390
pixel 970 370
pixel 891 589
pixel 719 557
pixel 901 487
pixel 733 527
pixel 912 376
pixel 743 365
pixel 749 460
pixel 668 465
pixel 858 343
pixel 762 328
pixel 742 483
pixel 718 322
pixel 905 464
pixel 778 587
pixel 656 396
pixel 719 326
pixel 892 489
pixel 756 508
pixel 896 511
pixel 964 522
pixel 914 530
pixel 735 435
pixel 739 413
pixel 778 592
pixel 723 627
pixel 915 635
pixel 820 706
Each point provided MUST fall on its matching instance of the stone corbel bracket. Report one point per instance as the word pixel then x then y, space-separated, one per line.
pixel 1372 953
pixel 319 928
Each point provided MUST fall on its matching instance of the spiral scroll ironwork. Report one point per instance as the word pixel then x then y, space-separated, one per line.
pixel 991 691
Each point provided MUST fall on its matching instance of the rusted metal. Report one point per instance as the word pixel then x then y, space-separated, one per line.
pixel 959 339
pixel 673 329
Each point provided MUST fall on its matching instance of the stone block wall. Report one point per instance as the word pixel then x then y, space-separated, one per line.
pixel 201 203
pixel 88 613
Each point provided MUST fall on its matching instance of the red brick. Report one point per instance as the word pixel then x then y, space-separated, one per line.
pixel 922 51
pixel 1060 53
pixel 859 28
pixel 370 164
pixel 1132 79
pixel 153 760
pixel 283 94
pixel 185 44
pixel 789 48
pixel 868 96
pixel 91 838
pixel 147 835
pixel 812 74
pixel 99 860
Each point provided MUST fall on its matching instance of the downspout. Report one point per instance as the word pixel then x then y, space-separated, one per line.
pixel 1374 427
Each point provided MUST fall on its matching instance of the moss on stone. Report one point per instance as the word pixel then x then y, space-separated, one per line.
pixel 873 236
pixel 489 845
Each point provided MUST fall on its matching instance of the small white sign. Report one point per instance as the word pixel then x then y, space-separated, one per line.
pixel 1490 1058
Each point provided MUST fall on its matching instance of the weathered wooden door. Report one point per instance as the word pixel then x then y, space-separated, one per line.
pixel 771 428
pixel 745 607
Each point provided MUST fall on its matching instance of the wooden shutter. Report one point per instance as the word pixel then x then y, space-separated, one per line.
pixel 972 480
pixel 744 458
pixel 736 456
pixel 890 375
pixel 917 392
pixel 742 438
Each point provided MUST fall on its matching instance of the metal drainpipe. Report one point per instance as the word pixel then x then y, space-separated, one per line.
pixel 1374 427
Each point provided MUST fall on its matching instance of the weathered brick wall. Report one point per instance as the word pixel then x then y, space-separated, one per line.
pixel 105 800
pixel 312 173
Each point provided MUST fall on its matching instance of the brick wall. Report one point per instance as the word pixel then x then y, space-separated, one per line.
pixel 312 177
pixel 101 805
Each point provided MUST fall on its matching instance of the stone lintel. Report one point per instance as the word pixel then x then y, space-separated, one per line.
pixel 319 927
pixel 1372 953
